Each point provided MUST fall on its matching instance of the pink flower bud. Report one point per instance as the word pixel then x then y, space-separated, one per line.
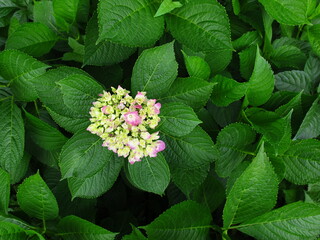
pixel 132 118
pixel 160 146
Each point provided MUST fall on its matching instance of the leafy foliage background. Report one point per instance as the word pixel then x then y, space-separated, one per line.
pixel 239 86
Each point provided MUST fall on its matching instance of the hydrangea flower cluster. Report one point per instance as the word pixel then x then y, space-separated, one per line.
pixel 123 123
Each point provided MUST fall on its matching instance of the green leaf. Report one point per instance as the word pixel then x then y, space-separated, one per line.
pixel 36 199
pixel 115 19
pixel 177 119
pixel 288 12
pixel 20 69
pixel 105 52
pixel 293 81
pixel 83 156
pixel 310 126
pixel 79 91
pixel 236 7
pixel 186 220
pixel 190 91
pixel 211 193
pixel 77 51
pixel 293 221
pixel 302 163
pixel 233 143
pixel 75 228
pixel 190 151
pixel 10 231
pixel 154 71
pixel 273 128
pixel 134 235
pixel 261 82
pixel 246 40
pixel 203 25
pixel 65 13
pixel 166 7
pixel 99 183
pixel 151 174
pixel 253 193
pixel 4 191
pixel 33 38
pixel 197 66
pixel 312 68
pixel 227 90
pixel 313 36
pixel 288 56
pixel 12 138
pixel 6 7
pixel 294 103
pixel 43 13
pixel 188 179
pixel 71 124
pixel 247 61
pixel 43 134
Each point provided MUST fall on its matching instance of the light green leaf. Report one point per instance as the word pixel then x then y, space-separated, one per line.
pixel 293 221
pixel 12 138
pixel 293 81
pixel 75 228
pixel 99 183
pixel 314 36
pixel 151 174
pixel 33 38
pixel 302 161
pixel 43 134
pixel 246 40
pixel 134 235
pixel 233 143
pixel 247 61
pixel 288 56
pixel 105 52
pixel 10 231
pixel 227 90
pixel 288 12
pixel 186 220
pixel 177 119
pixel 36 199
pixel 197 66
pixel 166 7
pixel 115 19
pixel 83 156
pixel 261 82
pixel 79 91
pixel 20 69
pixel 4 191
pixel 236 7
pixel 203 25
pixel 190 91
pixel 190 151
pixel 154 71
pixel 310 126
pixel 77 51
pixel 253 193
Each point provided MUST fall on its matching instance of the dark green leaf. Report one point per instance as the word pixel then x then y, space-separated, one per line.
pixel 75 228
pixel 105 52
pixel 288 56
pixel 65 13
pixel 191 91
pixel 115 19
pixel 247 60
pixel 43 13
pixel 177 119
pixel 293 81
pixel 10 231
pixel 233 143
pixel 12 138
pixel 151 174
pixel 43 134
pixel 36 199
pixel 4 191
pixel 314 36
pixel 227 90
pixel 154 71
pixel 246 40
pixel 20 69
pixel 186 220
pixel 33 38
